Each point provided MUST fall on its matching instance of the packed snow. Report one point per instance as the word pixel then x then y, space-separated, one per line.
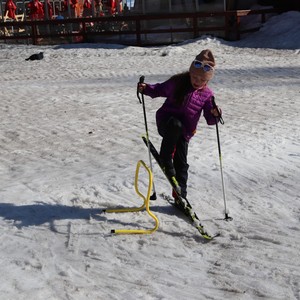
pixel 70 131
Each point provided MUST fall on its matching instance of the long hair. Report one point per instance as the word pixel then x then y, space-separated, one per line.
pixel 183 85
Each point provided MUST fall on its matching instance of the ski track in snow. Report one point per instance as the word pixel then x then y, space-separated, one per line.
pixel 70 140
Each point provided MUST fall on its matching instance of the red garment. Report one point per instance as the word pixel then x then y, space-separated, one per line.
pixel 64 6
pixel 11 7
pixel 73 4
pixel 50 9
pixel 87 4
pixel 113 7
pixel 36 10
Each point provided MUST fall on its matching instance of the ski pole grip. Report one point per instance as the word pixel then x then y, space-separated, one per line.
pixel 142 79
pixel 213 102
pixel 216 107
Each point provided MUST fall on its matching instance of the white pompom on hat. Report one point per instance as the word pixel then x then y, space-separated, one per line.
pixel 207 58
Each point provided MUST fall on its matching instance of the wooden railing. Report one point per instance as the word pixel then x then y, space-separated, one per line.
pixel 131 29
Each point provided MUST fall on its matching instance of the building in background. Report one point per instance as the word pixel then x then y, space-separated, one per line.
pixel 176 6
pixel 169 21
pixel 169 6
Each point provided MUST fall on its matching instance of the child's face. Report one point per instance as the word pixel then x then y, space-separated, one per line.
pixel 197 81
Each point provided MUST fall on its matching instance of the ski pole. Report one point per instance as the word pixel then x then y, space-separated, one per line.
pixel 227 218
pixel 142 101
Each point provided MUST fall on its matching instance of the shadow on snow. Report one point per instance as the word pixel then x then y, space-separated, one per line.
pixel 40 213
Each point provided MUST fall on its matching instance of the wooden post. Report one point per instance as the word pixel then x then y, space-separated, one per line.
pixel 195 27
pixel 34 34
pixel 138 32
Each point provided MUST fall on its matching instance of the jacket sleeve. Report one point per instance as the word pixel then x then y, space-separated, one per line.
pixel 209 117
pixel 164 89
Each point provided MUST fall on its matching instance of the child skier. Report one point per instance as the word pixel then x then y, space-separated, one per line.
pixel 187 95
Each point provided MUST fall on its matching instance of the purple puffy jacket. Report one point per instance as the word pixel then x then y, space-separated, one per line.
pixel 189 113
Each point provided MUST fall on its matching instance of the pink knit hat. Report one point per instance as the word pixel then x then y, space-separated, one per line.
pixel 206 58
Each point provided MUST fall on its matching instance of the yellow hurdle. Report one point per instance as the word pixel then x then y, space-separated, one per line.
pixel 135 209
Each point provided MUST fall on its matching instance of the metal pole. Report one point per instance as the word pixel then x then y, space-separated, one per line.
pixel 227 218
pixel 170 20
pixel 142 78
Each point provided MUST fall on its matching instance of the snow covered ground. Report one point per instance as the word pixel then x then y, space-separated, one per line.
pixel 70 139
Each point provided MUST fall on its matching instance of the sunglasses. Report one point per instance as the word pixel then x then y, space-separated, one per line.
pixel 199 64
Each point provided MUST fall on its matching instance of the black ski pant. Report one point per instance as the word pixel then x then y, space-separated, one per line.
pixel 173 140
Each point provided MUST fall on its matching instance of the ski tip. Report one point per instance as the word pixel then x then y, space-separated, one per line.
pixel 208 237
pixel 205 235
pixel 212 237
